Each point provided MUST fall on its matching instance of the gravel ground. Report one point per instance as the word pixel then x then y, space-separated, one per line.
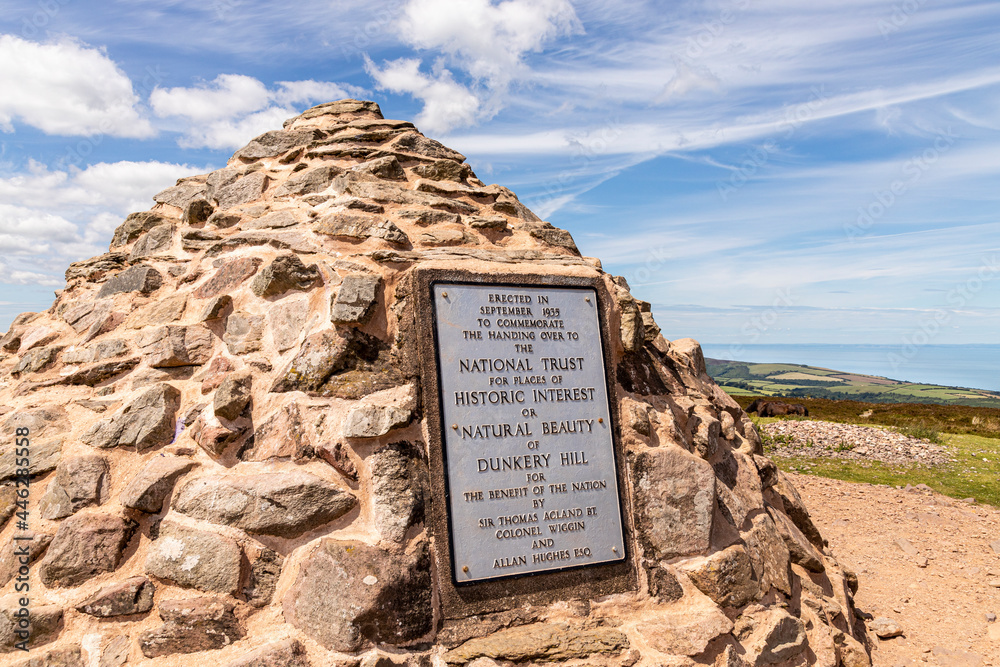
pixel 847 441
pixel 926 563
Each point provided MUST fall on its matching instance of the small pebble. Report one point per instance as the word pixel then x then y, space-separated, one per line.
pixel 991 617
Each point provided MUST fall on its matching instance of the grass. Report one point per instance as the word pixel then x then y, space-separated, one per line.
pixel 972 474
pixel 917 417
pixel 800 381
pixel 968 477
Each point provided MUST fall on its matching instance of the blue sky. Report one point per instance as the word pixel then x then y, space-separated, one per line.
pixel 760 171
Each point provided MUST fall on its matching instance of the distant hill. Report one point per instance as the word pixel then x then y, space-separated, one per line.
pixel 750 379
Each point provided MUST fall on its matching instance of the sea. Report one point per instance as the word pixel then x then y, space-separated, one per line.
pixel 971 366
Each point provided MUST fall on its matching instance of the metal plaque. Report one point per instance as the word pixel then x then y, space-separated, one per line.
pixel 529 456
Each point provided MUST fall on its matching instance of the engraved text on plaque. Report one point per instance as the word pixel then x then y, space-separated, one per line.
pixel 529 456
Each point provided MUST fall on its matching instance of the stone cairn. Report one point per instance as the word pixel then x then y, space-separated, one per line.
pixel 228 455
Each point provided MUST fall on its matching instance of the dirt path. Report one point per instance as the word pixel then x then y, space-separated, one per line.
pixel 923 560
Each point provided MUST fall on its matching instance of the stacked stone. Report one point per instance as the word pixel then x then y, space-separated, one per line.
pixel 229 457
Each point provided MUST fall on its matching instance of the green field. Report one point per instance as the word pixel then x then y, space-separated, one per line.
pixel 796 381
pixel 965 421
pixel 972 474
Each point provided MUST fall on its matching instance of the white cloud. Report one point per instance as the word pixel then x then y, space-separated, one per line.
pixel 486 41
pixel 233 108
pixel 51 218
pixel 228 95
pixel 447 104
pixel 66 88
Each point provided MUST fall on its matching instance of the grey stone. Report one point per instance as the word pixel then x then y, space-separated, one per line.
pixel 423 217
pixel 265 568
pixel 148 490
pixel 907 547
pixel 384 167
pixel 87 544
pixel 444 170
pixel 105 349
pixel 371 420
pixel 336 455
pixel 275 143
pixel 216 308
pixel 321 355
pixel 164 311
pixel 95 374
pixel 399 482
pixel 309 181
pixel 195 558
pixel 84 316
pixel 220 178
pixel 354 204
pixel 444 237
pixel 285 653
pixel 796 509
pixel 663 585
pixel 142 279
pixel 157 240
pixel 768 555
pixel 229 276
pixel 726 576
pixel 146 422
pixel 886 628
pixel 360 227
pixel 192 625
pixel 197 212
pixel 81 481
pixel 286 272
pixel 349 596
pixel 540 642
pixel 777 636
pixel 243 333
pixel 37 360
pixel 287 319
pixel 242 190
pixel 134 225
pixel 452 189
pixel 555 237
pixel 181 194
pixel 286 504
pixel 131 596
pixel 36 336
pixel 347 107
pixel 233 394
pixel 414 142
pixel 355 298
pixel 215 437
pixel 391 193
pixel 45 625
pixel 674 500
pixel 282 435
pixel 28 543
pixel 174 345
pixel 95 268
pixel 800 550
pixel 45 456
pixel 274 220
pixel 115 654
pixel 496 223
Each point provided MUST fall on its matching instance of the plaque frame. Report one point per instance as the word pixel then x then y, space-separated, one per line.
pixel 462 599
